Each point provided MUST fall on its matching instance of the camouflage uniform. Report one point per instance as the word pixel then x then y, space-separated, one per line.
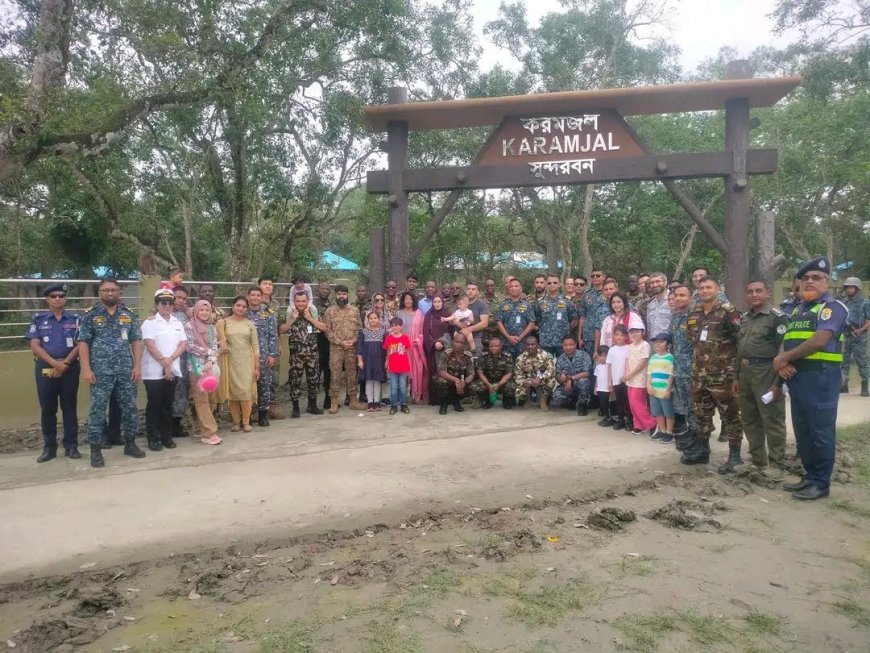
pixel 760 334
pixel 714 338
pixel 540 366
pixel 696 299
pixel 554 316
pixel 266 324
pixel 494 369
pixel 515 316
pixel 681 348
pixel 581 390
pixel 323 346
pixel 275 306
pixel 592 301
pixel 859 312
pixel 111 358
pixel 304 359
pixel 391 306
pixel 342 324
pixel 459 366
pixel 491 330
pixel 598 314
pixel 181 401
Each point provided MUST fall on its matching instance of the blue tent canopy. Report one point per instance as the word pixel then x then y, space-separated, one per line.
pixel 333 261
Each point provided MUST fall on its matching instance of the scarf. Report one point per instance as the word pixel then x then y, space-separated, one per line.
pixel 200 328
pixel 433 327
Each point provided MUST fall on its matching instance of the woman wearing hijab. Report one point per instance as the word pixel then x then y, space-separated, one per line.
pixel 241 364
pixel 433 329
pixel 202 359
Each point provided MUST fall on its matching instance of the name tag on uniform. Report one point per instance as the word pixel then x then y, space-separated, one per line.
pixel 124 335
pixel 703 337
pixel 69 342
pixel 310 329
pixel 518 320
pixel 45 338
pixel 558 315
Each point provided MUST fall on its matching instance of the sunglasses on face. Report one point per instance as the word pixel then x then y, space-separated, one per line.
pixel 379 301
pixel 580 283
pixel 166 302
pixel 57 295
pixel 597 275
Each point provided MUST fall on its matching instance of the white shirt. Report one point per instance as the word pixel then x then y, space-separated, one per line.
pixel 166 335
pixel 601 377
pixel 616 358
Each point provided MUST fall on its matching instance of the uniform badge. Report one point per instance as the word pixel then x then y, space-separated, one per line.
pixel 825 314
pixel 781 329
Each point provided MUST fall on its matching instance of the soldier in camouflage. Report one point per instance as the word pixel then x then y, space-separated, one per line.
pixel 495 374
pixel 266 323
pixel 855 335
pixel 681 349
pixel 454 376
pixel 713 329
pixel 110 349
pixel 342 329
pixel 516 319
pixel 303 327
pixel 555 316
pixel 573 377
pixel 492 303
pixel 535 374
pixel 590 309
pixel 601 311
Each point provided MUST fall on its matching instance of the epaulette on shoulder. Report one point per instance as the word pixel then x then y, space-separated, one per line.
pixel 777 312
pixel 728 306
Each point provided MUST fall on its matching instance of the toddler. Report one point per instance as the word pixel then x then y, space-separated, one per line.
pixel 660 386
pixel 616 358
pixel 635 381
pixel 462 317
pixel 602 385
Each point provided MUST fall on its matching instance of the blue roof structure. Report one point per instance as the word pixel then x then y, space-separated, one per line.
pixel 333 261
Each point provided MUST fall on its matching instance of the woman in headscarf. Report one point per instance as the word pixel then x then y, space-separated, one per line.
pixel 241 364
pixel 202 358
pixel 433 329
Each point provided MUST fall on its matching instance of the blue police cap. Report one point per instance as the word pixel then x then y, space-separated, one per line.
pixel 55 287
pixel 816 265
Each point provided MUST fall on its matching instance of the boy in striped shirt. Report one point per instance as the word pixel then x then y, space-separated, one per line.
pixel 660 386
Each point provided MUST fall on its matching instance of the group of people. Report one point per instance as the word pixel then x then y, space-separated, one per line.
pixel 660 358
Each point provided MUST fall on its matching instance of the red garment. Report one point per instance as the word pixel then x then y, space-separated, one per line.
pixel 398 350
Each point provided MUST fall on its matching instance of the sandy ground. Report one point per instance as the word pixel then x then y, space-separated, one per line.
pixel 374 533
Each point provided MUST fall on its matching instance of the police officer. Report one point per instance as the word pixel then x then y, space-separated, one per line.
pixel 761 332
pixel 52 336
pixel 303 328
pixel 810 360
pixel 857 325
pixel 110 348
pixel 788 304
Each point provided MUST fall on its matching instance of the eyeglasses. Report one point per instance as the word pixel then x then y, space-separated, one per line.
pixel 597 275
pixel 57 295
pixel 379 301
pixel 814 277
pixel 110 291
pixel 552 283
pixel 166 302
pixel 582 284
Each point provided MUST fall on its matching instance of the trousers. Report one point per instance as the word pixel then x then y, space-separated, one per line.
pixel 705 400
pixel 398 389
pixel 304 375
pixel 683 400
pixel 158 409
pixel 343 370
pixel 856 347
pixel 100 393
pixel 580 392
pixel 264 386
pixel 204 409
pixel 51 391
pixel 763 424
pixel 814 394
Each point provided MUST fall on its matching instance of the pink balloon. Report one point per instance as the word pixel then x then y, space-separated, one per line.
pixel 207 383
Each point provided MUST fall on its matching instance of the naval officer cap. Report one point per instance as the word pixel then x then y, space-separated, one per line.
pixel 55 287
pixel 816 265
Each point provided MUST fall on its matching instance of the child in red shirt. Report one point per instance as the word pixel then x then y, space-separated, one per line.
pixel 398 348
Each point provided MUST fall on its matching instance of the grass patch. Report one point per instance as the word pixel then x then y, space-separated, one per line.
pixel 854 612
pixel 645 633
pixel 855 440
pixel 544 607
pixel 638 565
pixel 440 582
pixel 295 636
pixel 707 630
pixel 761 623
pixel 390 638
pixel 847 506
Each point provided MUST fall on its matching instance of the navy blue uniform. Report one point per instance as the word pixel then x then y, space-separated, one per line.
pixel 815 389
pixel 58 339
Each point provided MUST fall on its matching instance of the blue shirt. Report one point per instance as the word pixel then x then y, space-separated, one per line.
pixel 109 336
pixel 831 316
pixel 424 305
pixel 58 336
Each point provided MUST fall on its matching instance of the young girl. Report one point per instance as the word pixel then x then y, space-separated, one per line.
pixel 635 380
pixel 660 385
pixel 398 348
pixel 370 360
pixel 616 358
pixel 602 385
pixel 461 318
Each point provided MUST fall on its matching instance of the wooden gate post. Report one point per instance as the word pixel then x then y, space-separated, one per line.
pixel 377 260
pixel 397 162
pixel 737 188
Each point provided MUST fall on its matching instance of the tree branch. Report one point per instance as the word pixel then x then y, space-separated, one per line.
pixel 697 216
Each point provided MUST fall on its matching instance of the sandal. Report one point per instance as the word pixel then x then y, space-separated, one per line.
pixel 247 428
pixel 212 439
pixel 235 428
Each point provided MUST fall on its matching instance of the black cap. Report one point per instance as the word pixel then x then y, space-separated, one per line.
pixel 664 335
pixel 55 287
pixel 817 264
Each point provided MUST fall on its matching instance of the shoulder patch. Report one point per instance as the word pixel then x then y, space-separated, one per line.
pixel 825 314
pixel 781 329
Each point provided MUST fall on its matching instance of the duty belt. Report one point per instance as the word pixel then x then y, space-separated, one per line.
pixel 756 361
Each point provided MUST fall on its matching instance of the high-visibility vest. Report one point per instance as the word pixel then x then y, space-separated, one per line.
pixel 802 327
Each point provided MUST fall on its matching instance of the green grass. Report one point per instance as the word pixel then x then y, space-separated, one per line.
pixel 293 637
pixel 384 637
pixel 760 623
pixel 645 632
pixel 856 441
pixel 847 506
pixel 544 607
pixel 707 630
pixel 854 612
pixel 638 565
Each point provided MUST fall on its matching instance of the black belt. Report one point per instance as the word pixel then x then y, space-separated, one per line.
pixel 756 361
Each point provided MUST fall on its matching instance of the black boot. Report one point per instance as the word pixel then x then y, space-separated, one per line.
pixel 734 461
pixel 178 430
pixel 457 406
pixel 154 443
pixel 326 404
pixel 48 453
pixel 680 424
pixel 684 440
pixel 295 413
pixel 508 402
pixel 443 409
pixel 132 449
pixel 168 442
pixel 865 389
pixel 618 425
pixel 697 454
pixel 582 409
pixel 312 406
pixel 97 456
pixel 262 420
pixel 722 436
pixel 72 452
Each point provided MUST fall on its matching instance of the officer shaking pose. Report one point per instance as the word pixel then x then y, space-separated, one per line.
pixel 810 360
pixel 52 338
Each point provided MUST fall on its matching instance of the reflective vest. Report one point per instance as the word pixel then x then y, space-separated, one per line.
pixel 802 327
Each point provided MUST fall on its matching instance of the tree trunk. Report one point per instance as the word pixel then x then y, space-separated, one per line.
pixel 687 250
pixel 188 245
pixel 585 218
pixel 235 134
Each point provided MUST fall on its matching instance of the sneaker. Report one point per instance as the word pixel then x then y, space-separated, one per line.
pixel 618 426
pixel 654 432
pixel 664 437
pixel 605 422
pixel 378 408
pixel 211 440
pixel 394 409
pixel 406 410
pixel 370 408
pixel 636 431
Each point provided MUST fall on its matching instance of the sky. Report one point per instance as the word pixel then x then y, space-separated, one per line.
pixel 698 27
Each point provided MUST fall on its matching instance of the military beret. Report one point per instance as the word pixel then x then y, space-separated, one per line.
pixel 817 264
pixel 852 281
pixel 55 287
